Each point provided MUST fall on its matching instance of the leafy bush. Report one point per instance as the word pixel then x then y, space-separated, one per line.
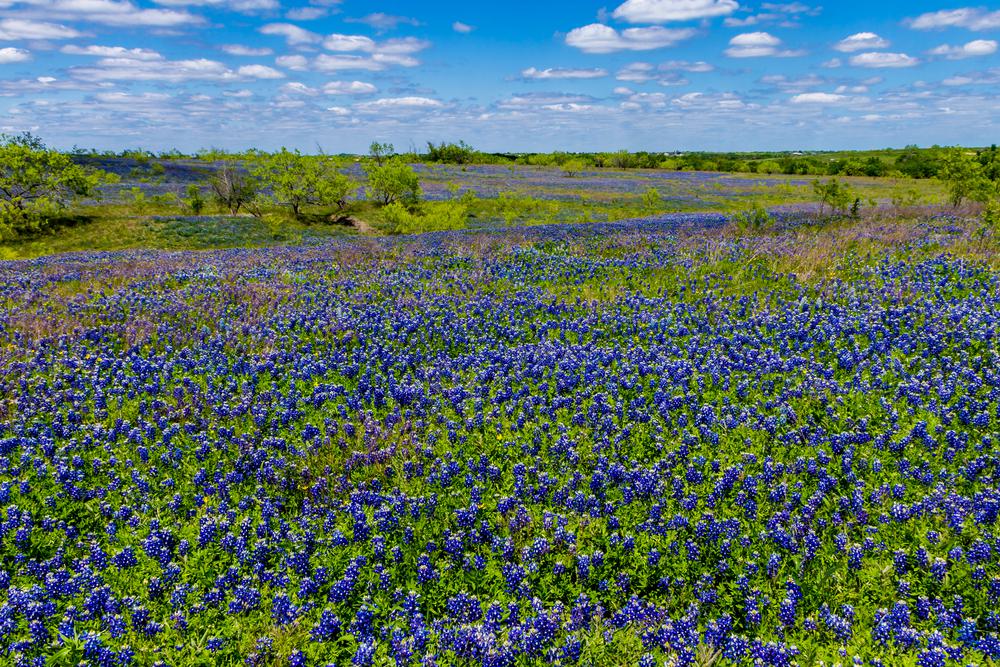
pixel 965 177
pixel 451 153
pixel 651 199
pixel 392 181
pixel 572 168
pixel 756 218
pixel 432 216
pixel 37 183
pixel 836 195
pixel 194 200
pixel 297 180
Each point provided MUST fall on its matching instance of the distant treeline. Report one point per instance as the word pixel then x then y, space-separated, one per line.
pixel 912 161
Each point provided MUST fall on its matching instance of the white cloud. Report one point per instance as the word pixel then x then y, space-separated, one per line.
pixel 400 103
pixel 130 69
pixel 11 55
pixel 175 71
pixel 540 100
pixel 973 49
pixel 259 72
pixel 462 28
pixel 306 13
pixel 784 15
pixel 757 45
pixel 662 11
pixel 241 50
pixel 298 88
pixel 348 43
pixel 686 66
pixel 862 41
pixel 966 17
pixel 111 52
pixel 665 74
pixel 17 29
pixel 243 6
pixel 293 34
pixel 296 63
pixel 819 98
pixel 990 77
pixel 328 63
pixel 562 73
pixel 349 88
pixel 383 21
pixel 599 38
pixel 106 12
pixel 884 60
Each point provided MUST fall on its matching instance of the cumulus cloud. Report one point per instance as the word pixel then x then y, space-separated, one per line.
pixel 241 50
pixel 819 98
pixel 105 12
pixel 862 41
pixel 563 73
pixel 974 49
pixel 663 11
pixel 110 52
pixel 348 43
pixel 877 60
pixel 17 29
pixel 126 68
pixel 462 28
pixel 296 62
pixel 599 38
pixel 131 69
pixel 11 55
pixel 293 34
pixel 987 78
pixel 785 15
pixel 349 88
pixel 411 103
pixel 757 45
pixel 306 13
pixel 967 17
pixel 666 74
pixel 259 72
pixel 382 21
pixel 541 100
pixel 242 6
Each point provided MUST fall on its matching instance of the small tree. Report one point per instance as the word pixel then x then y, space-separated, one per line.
pixel 965 177
pixel 233 187
pixel 194 199
pixel 297 180
pixel 834 194
pixel 381 152
pixel 37 182
pixel 572 168
pixel 392 181
pixel 651 199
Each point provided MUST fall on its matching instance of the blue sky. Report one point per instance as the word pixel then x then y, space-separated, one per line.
pixel 517 75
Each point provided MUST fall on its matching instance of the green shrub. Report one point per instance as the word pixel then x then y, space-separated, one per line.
pixel 432 216
pixel 651 199
pixel 756 218
pixel 37 183
pixel 297 180
pixel 392 181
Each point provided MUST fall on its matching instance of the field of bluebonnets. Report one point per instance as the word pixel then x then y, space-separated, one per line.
pixel 603 415
pixel 664 441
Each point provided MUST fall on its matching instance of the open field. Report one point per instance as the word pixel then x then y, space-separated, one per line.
pixel 663 441
pixel 146 207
